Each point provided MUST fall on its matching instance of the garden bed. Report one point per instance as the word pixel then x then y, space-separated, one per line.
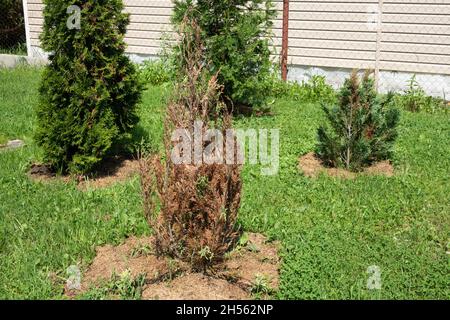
pixel 252 268
pixel 114 170
pixel 312 167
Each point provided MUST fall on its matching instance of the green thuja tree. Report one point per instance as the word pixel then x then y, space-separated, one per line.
pixel 361 129
pixel 90 89
pixel 236 34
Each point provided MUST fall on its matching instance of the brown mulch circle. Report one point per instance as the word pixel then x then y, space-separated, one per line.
pixel 112 171
pixel 312 167
pixel 165 279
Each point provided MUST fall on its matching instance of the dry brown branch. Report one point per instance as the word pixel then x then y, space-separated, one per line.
pixel 198 203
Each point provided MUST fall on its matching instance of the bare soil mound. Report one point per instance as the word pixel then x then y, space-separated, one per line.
pixel 112 171
pixel 195 286
pixel 254 266
pixel 312 167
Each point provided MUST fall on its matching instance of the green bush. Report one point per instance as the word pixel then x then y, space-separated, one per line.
pixel 316 89
pixel 236 34
pixel 361 129
pixel 156 72
pixel 415 99
pixel 90 89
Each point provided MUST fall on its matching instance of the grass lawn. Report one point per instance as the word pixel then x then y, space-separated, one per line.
pixel 331 230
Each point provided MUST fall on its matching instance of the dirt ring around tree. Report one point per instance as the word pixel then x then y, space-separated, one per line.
pixel 312 167
pixel 246 269
pixel 114 170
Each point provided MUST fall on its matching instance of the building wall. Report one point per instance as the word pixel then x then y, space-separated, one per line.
pixel 396 37
pixel 412 35
pixel 150 20
pixel 330 37
pixel 150 23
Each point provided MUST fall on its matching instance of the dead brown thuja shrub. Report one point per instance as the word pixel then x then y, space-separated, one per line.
pixel 198 203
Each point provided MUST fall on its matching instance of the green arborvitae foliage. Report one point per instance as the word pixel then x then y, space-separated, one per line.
pixel 361 129
pixel 90 89
pixel 236 34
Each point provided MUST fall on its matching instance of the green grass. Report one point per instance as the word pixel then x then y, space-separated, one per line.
pixel 3 140
pixel 331 230
pixel 20 50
